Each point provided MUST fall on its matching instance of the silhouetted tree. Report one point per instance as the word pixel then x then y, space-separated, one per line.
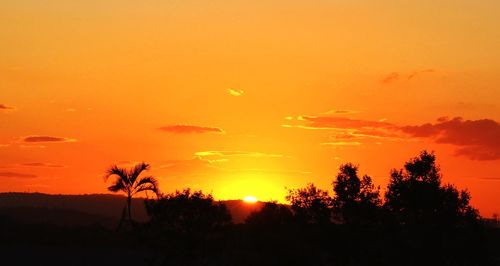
pixel 356 200
pixel 310 204
pixel 415 195
pixel 271 213
pixel 130 182
pixel 494 220
pixel 187 211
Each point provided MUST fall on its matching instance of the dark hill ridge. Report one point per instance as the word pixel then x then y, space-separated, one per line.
pixel 104 209
pixel 105 205
pixel 53 216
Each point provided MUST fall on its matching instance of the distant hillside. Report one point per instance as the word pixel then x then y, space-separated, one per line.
pixel 104 209
pixel 52 216
pixel 68 210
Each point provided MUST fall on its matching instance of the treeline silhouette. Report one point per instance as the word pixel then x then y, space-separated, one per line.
pixel 419 220
pixel 415 196
pixel 187 211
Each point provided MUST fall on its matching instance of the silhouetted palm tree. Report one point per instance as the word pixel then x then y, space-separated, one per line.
pixel 129 182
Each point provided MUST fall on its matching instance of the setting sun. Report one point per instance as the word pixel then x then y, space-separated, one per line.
pixel 250 199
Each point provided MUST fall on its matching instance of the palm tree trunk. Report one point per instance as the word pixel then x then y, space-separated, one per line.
pixel 129 206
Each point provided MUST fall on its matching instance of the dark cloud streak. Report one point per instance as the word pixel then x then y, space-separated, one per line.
pixel 36 139
pixel 38 164
pixel 191 129
pixel 6 107
pixel 16 175
pixel 477 139
pixel 474 139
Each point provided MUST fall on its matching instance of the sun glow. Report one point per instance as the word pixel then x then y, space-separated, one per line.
pixel 263 187
pixel 250 199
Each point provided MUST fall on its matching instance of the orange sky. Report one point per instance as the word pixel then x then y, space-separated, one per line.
pixel 246 97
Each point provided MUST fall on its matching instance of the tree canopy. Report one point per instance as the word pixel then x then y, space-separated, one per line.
pixel 356 200
pixel 310 205
pixel 272 213
pixel 415 195
pixel 187 211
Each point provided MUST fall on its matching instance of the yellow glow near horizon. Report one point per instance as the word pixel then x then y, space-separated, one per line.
pixel 250 199
pixel 263 187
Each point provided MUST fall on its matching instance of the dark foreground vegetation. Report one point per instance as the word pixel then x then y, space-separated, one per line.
pixel 248 245
pixel 418 221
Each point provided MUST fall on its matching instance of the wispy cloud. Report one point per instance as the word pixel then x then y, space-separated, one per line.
pixel 363 134
pixel 201 166
pixel 7 107
pixel 395 76
pixel 16 175
pixel 349 132
pixel 183 168
pixel 419 72
pixel 342 143
pixel 46 139
pixel 233 92
pixel 188 164
pixel 390 78
pixel 476 139
pixel 341 112
pixel 191 129
pixel 41 164
pixel 335 122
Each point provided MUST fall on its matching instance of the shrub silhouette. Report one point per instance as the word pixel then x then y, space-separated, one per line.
pixel 310 205
pixel 356 200
pixel 415 195
pixel 129 182
pixel 271 214
pixel 187 211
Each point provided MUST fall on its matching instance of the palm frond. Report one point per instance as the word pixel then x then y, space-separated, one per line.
pixel 147 180
pixel 120 172
pixel 147 183
pixel 147 187
pixel 136 171
pixel 118 185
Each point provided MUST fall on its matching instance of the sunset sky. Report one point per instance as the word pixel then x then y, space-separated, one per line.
pixel 244 98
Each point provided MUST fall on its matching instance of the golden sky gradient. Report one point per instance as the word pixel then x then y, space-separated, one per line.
pixel 244 98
